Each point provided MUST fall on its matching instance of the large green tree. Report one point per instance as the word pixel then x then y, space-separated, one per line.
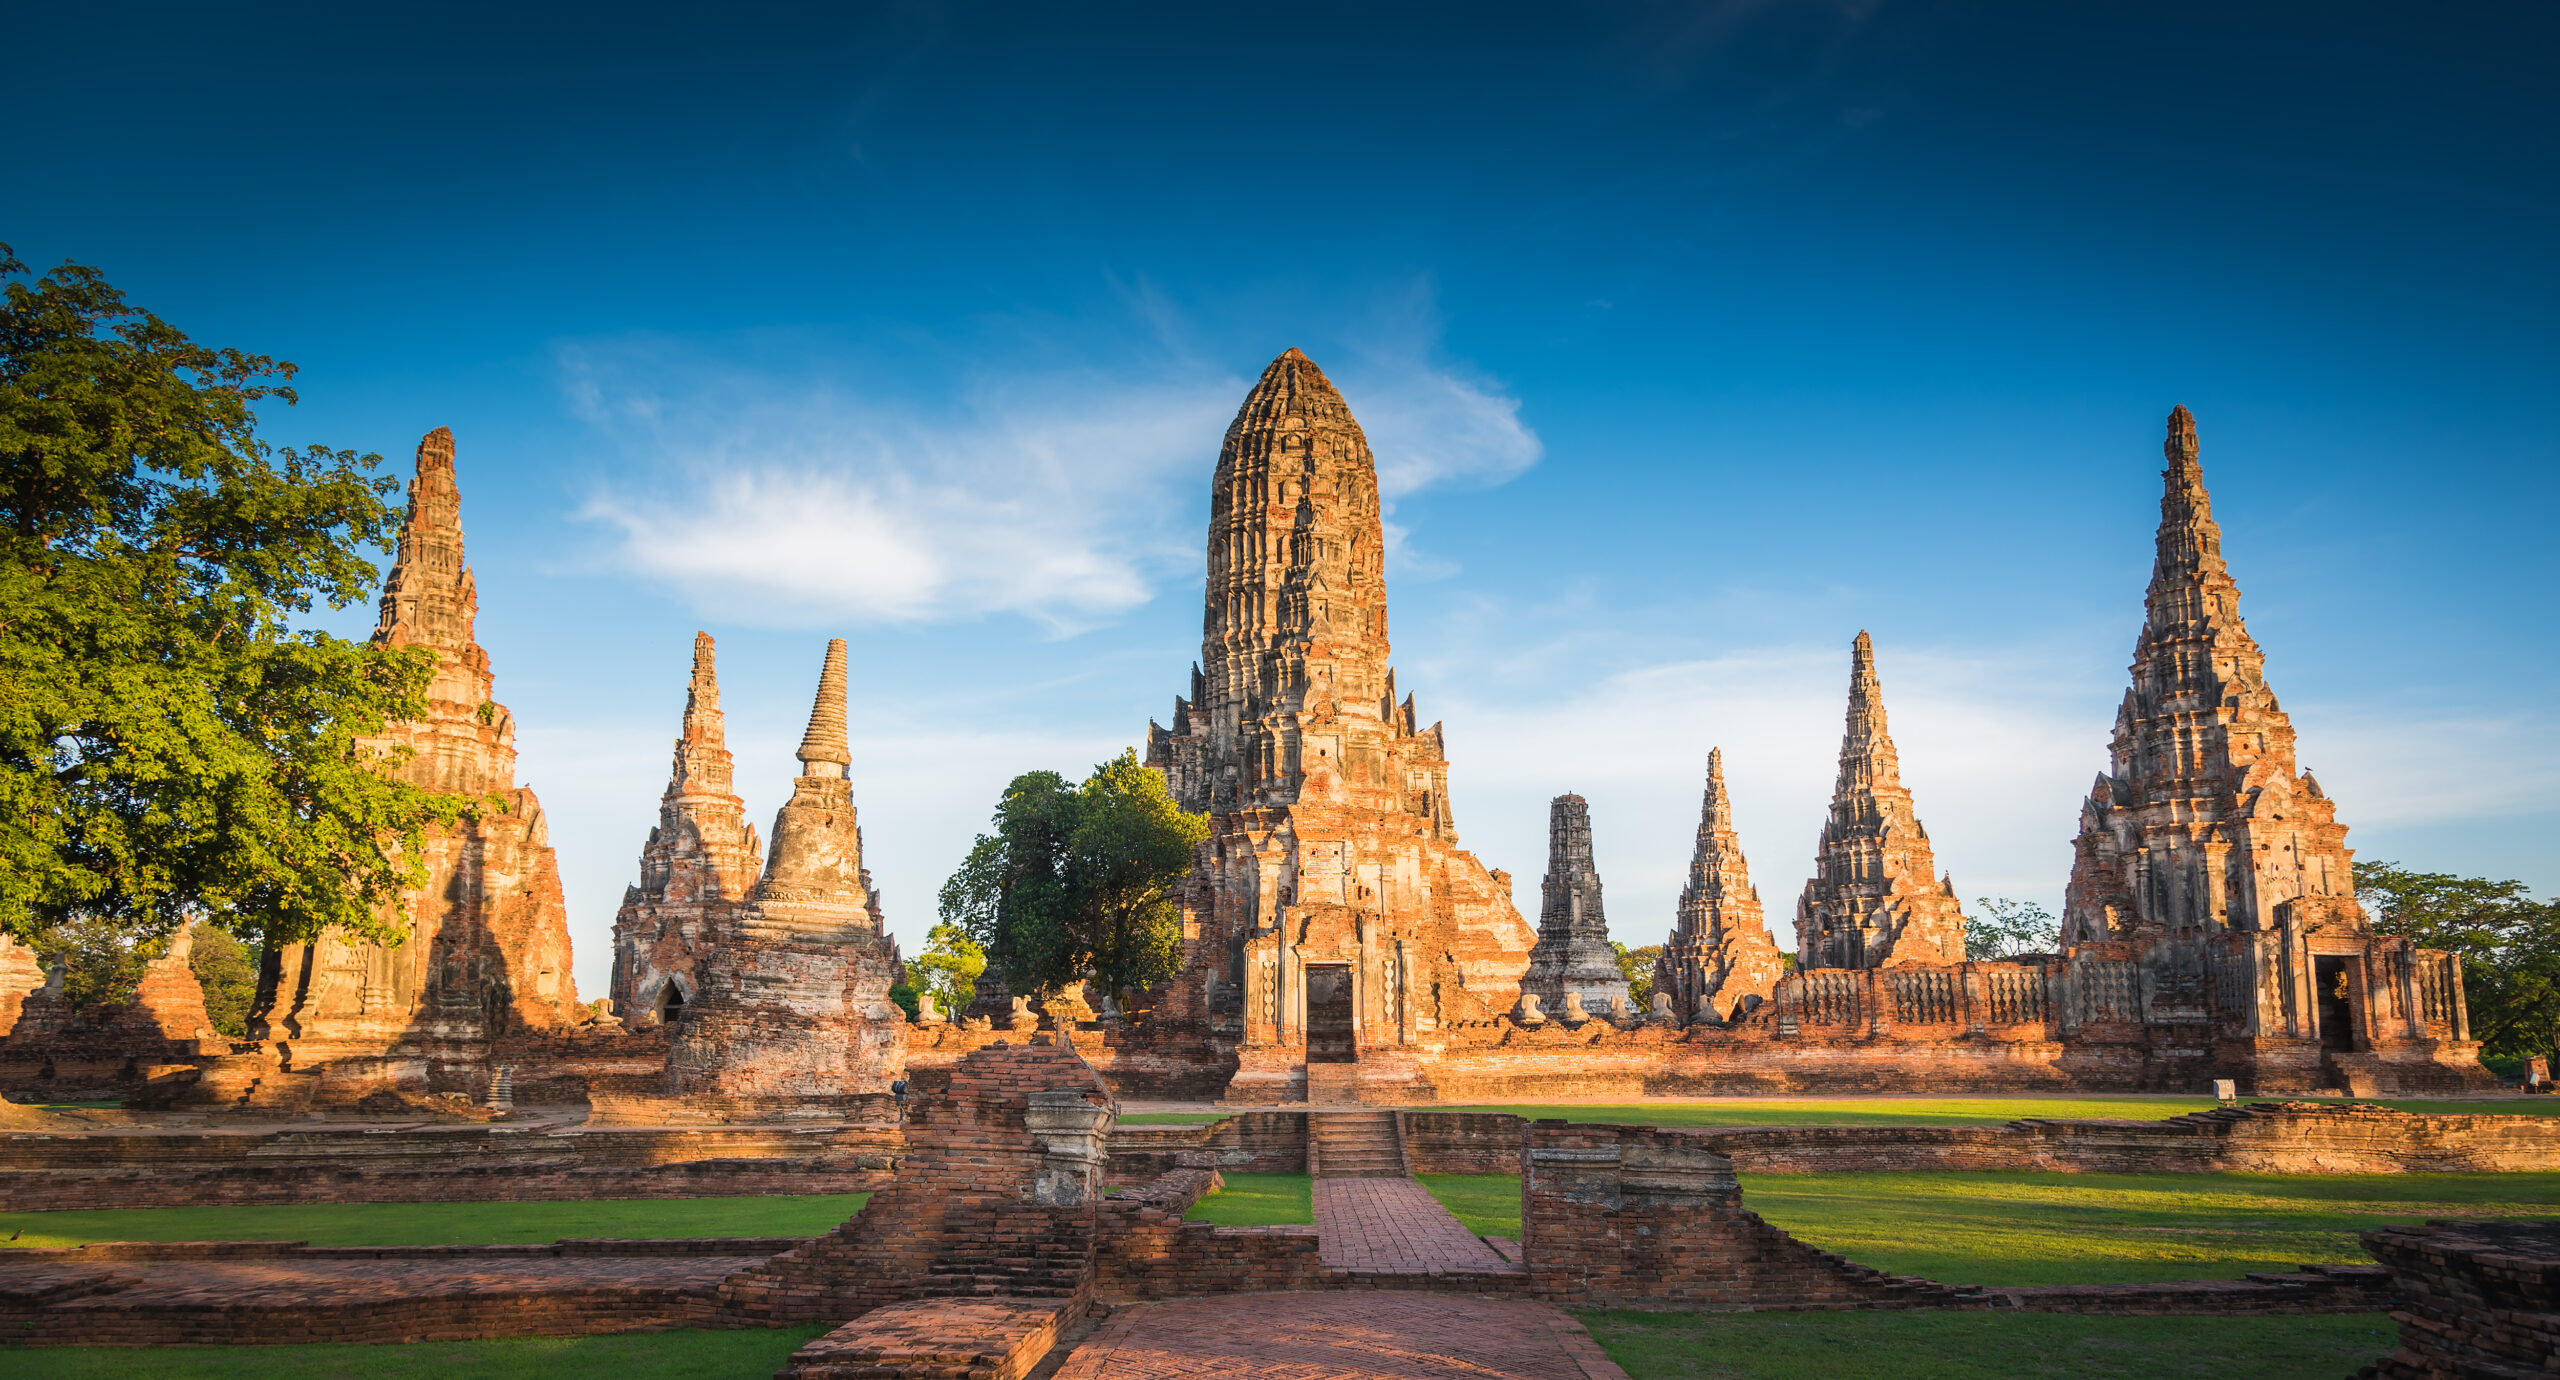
pixel 2001 928
pixel 2508 941
pixel 170 746
pixel 1077 881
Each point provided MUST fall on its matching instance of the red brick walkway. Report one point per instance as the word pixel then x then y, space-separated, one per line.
pixel 1395 1226
pixel 1348 1336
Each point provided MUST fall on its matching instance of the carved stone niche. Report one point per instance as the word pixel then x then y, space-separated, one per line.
pixel 1073 1131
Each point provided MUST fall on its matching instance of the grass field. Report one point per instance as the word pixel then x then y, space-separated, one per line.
pixel 2022 1228
pixel 438 1224
pixel 1933 1111
pixel 1986 1346
pixel 1261 1200
pixel 689 1355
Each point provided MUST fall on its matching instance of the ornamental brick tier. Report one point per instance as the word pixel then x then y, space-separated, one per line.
pixel 1331 915
pixel 1876 900
pixel 701 860
pixel 1572 958
pixel 1720 961
pixel 487 952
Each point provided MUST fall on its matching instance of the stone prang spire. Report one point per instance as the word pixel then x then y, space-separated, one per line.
pixel 1333 853
pixel 1720 957
pixel 2201 822
pixel 1572 957
pixel 487 947
pixel 1874 900
pixel 699 863
pixel 794 1004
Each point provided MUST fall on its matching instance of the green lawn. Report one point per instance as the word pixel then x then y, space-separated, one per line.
pixel 1259 1200
pixel 688 1355
pixel 435 1224
pixel 1489 1204
pixel 1986 1346
pixel 2032 1228
pixel 2022 1228
pixel 1934 1111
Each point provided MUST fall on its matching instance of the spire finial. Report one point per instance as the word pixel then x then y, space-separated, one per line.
pixel 702 695
pixel 825 741
pixel 2181 444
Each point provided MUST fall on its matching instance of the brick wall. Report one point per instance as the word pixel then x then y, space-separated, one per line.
pixel 1248 1142
pixel 2477 1299
pixel 1630 1215
pixel 980 1207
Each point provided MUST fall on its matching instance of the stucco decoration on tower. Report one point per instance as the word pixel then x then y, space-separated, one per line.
pixel 487 951
pixel 1572 957
pixel 1720 962
pixel 2201 823
pixel 700 862
pixel 794 1004
pixel 1333 844
pixel 1876 899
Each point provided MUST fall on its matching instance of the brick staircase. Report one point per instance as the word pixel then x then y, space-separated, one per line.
pixel 1354 1145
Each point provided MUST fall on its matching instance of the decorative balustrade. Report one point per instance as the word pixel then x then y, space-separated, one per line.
pixel 1926 996
pixel 1828 997
pixel 2106 990
pixel 2015 995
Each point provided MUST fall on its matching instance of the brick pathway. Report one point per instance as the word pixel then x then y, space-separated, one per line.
pixel 1351 1336
pixel 1395 1226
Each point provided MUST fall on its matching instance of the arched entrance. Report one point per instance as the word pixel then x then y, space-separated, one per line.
pixel 1329 1029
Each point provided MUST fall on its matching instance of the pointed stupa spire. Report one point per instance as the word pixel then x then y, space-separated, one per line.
pixel 1716 815
pixel 1874 897
pixel 825 744
pixel 1720 956
pixel 2201 759
pixel 702 755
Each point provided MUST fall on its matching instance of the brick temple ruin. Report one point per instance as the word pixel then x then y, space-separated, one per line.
pixel 1340 947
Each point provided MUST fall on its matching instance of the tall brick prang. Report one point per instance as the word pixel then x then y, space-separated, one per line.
pixel 795 995
pixel 1332 894
pixel 696 869
pixel 1572 957
pixel 2201 823
pixel 487 951
pixel 1720 961
pixel 1875 900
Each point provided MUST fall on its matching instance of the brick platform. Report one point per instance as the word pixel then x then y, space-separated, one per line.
pixel 1341 1337
pixel 246 1292
pixel 1395 1226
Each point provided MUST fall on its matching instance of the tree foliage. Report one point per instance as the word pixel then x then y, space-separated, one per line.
pixel 169 744
pixel 949 967
pixel 2509 944
pixel 227 970
pixel 1637 964
pixel 2002 928
pixel 1077 882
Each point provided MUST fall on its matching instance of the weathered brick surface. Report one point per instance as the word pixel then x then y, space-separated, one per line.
pixel 65 1169
pixel 1365 1337
pixel 1572 958
pixel 2477 1300
pixel 1720 960
pixel 930 1339
pixel 264 1293
pixel 696 869
pixel 988 1204
pixel 1876 897
pixel 794 1001
pixel 1248 1142
pixel 488 941
pixel 1626 1215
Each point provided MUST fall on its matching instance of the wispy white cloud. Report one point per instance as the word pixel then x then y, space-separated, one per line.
pixel 1066 497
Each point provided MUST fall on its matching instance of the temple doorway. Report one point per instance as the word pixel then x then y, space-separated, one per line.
pixel 1329 1039
pixel 2337 1009
pixel 670 1003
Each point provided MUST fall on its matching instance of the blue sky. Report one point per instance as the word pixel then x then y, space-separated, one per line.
pixel 1692 338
